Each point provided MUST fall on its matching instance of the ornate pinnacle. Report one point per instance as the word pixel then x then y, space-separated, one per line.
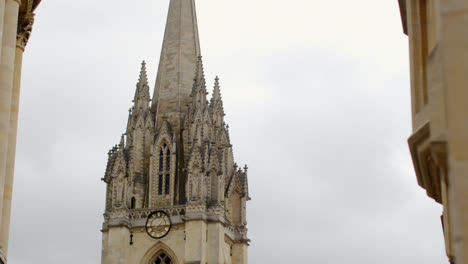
pixel 217 92
pixel 199 71
pixel 122 141
pixel 199 79
pixel 142 90
pixel 143 78
pixel 216 100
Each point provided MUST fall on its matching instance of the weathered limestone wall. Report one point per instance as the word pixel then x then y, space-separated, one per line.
pixel 438 36
pixel 227 253
pixel 192 242
pixel 215 240
pixel 195 249
pixel 146 248
pixel 454 22
pixel 115 245
pixel 239 253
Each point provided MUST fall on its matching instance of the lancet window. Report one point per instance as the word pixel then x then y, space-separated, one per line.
pixel 164 179
pixel 163 258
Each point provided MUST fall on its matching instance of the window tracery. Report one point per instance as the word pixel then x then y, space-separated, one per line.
pixel 163 258
pixel 164 179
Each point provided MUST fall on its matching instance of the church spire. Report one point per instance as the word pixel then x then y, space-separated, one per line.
pixel 178 60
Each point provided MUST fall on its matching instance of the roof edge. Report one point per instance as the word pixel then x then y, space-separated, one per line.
pixel 404 18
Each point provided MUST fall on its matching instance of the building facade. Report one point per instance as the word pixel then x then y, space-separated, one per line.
pixel 16 21
pixel 438 43
pixel 173 192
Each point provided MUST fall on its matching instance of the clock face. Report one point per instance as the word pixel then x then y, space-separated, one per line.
pixel 158 224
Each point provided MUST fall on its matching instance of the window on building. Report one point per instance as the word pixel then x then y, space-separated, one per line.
pixel 133 203
pixel 161 159
pixel 166 184
pixel 164 170
pixel 163 258
pixel 160 182
pixel 168 160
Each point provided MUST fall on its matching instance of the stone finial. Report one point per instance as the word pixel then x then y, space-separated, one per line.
pixel 142 96
pixel 216 103
pixel 199 71
pixel 199 79
pixel 143 77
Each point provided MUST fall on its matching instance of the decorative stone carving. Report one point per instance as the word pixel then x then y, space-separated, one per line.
pixel 25 24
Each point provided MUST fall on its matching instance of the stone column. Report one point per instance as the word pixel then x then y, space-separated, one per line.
pixel 24 30
pixel 7 62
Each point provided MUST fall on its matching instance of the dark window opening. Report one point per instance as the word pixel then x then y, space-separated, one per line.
pixel 161 158
pixel 160 184
pixel 132 203
pixel 168 160
pixel 163 259
pixel 167 183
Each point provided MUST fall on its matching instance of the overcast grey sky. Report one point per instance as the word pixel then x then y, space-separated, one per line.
pixel 317 99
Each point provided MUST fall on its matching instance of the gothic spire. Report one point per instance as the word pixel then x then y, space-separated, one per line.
pixel 216 105
pixel 142 96
pixel 178 60
pixel 216 100
pixel 198 94
pixel 122 142
pixel 199 80
pixel 143 78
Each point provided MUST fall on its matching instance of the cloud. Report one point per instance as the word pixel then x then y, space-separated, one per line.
pixel 317 99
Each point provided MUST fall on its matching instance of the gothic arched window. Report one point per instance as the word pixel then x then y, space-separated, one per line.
pixel 163 258
pixel 164 170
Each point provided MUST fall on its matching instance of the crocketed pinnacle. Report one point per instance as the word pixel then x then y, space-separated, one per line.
pixel 143 77
pixel 199 80
pixel 122 142
pixel 142 96
pixel 216 102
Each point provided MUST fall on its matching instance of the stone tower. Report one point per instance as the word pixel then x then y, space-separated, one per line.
pixel 174 194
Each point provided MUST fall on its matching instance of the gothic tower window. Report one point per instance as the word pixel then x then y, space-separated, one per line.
pixel 163 259
pixel 164 179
